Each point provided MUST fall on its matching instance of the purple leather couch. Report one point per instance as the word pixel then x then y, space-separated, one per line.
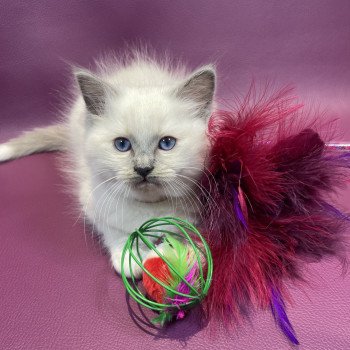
pixel 57 289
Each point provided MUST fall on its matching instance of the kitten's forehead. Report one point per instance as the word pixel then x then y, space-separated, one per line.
pixel 146 113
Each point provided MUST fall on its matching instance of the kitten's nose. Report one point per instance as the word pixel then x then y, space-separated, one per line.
pixel 143 171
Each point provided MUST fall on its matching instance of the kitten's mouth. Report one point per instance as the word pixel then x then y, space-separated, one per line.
pixel 146 183
pixel 148 190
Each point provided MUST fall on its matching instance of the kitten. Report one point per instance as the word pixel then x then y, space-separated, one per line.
pixel 136 143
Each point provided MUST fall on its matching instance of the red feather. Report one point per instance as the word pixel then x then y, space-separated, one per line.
pixel 158 268
pixel 281 177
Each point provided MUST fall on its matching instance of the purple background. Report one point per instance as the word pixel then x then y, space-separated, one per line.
pixel 56 290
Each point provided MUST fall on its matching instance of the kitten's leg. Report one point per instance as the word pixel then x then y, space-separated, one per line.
pixel 116 251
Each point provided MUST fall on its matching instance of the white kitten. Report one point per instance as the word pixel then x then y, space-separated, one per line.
pixel 136 143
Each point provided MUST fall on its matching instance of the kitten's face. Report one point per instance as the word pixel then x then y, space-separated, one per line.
pixel 152 141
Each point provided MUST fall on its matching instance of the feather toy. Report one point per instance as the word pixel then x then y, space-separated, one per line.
pixel 268 208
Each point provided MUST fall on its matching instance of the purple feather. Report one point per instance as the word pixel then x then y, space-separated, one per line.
pixel 238 209
pixel 280 315
pixel 185 289
pixel 330 208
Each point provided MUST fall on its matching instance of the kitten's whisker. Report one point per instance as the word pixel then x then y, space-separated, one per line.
pixel 96 187
pixel 176 197
pixel 169 198
pixel 84 210
pixel 193 197
pixel 105 199
pixel 204 191
pixel 107 210
pixel 206 172
pixel 106 196
pixel 117 193
pixel 122 205
pixel 210 202
pixel 182 201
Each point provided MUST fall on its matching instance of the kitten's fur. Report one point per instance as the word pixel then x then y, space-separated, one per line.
pixel 143 101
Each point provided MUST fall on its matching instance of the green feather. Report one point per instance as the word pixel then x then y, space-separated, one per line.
pixel 163 318
pixel 176 253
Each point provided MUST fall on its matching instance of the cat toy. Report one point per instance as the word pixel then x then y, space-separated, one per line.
pixel 269 207
pixel 267 210
pixel 176 274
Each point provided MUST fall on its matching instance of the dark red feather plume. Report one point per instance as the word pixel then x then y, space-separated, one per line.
pixel 269 207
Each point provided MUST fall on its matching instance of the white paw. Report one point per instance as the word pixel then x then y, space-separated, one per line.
pixel 6 152
pixel 152 254
pixel 116 258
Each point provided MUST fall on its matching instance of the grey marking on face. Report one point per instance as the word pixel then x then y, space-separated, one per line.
pixel 145 153
pixel 144 160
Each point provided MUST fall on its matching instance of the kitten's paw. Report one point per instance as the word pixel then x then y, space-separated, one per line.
pixel 6 152
pixel 116 258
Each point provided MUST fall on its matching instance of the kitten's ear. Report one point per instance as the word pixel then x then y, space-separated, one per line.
pixel 199 87
pixel 94 91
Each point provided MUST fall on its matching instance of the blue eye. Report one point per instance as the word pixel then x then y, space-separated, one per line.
pixel 122 144
pixel 167 143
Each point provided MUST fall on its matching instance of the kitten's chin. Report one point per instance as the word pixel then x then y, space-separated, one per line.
pixel 147 192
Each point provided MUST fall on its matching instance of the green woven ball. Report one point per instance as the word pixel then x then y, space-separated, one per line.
pixel 162 230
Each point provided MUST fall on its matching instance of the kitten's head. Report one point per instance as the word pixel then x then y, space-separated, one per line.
pixel 151 138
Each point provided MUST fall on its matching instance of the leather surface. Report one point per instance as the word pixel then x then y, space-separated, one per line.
pixel 57 289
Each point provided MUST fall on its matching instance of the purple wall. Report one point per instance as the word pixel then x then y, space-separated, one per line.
pixel 306 43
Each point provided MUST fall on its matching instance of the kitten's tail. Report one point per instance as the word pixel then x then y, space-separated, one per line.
pixel 51 138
